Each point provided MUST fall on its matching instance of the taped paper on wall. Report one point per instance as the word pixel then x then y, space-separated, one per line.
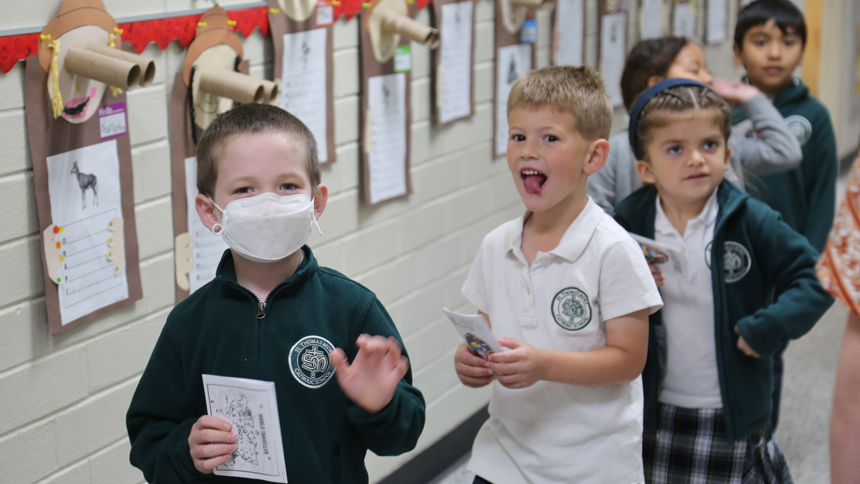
pixel 206 247
pixel 386 143
pixel 251 407
pixel 476 333
pixel 514 61
pixel 651 19
pixel 84 188
pixel 303 83
pixel 716 21
pixel 613 34
pixel 455 65
pixel 684 20
pixel 570 32
pixel 669 258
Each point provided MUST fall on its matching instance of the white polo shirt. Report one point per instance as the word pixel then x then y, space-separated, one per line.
pixel 553 432
pixel 691 379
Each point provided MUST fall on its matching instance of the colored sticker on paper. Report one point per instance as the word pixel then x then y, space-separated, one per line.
pixel 112 120
pixel 403 59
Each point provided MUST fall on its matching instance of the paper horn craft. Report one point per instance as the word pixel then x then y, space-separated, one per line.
pixel 210 70
pixel 80 50
pixel 387 20
pixel 298 10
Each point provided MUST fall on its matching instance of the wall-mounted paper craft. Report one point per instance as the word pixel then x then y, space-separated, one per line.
pixel 80 51
pixel 210 71
pixel 387 30
pixel 568 33
pixel 613 47
pixel 453 82
pixel 514 59
pixel 684 19
pixel 304 65
pixel 84 195
pixel 716 21
pixel 653 15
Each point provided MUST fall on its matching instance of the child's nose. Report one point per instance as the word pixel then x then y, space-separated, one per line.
pixel 697 158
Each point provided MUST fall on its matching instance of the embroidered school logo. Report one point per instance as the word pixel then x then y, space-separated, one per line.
pixel 736 260
pixel 310 361
pixel 800 127
pixel 571 309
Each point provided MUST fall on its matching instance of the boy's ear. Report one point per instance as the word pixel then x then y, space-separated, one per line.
pixel 728 157
pixel 596 155
pixel 645 173
pixel 320 199
pixel 207 211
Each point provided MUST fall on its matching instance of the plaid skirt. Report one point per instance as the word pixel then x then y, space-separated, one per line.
pixel 691 447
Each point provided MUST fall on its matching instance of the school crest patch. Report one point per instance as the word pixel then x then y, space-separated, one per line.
pixel 571 309
pixel 800 127
pixel 310 361
pixel 736 260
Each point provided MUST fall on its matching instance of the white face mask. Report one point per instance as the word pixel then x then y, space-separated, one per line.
pixel 266 227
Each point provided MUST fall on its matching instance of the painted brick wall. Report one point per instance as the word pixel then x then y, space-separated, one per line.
pixel 63 399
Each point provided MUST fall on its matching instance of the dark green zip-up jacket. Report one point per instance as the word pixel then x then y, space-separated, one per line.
pixel 221 330
pixel 754 247
pixel 806 195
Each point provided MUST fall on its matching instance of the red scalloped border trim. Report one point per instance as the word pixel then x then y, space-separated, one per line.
pixel 163 31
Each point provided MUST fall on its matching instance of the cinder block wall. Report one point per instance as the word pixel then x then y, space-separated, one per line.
pixel 63 399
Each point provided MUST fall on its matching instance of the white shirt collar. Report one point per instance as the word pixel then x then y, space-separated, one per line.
pixel 707 217
pixel 575 238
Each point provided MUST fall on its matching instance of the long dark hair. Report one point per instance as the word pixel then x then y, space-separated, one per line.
pixel 649 58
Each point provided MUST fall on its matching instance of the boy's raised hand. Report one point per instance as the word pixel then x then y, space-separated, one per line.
pixel 473 371
pixel 519 368
pixel 372 378
pixel 736 91
pixel 211 443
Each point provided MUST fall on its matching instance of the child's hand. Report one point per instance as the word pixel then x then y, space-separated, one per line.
pixel 472 370
pixel 745 347
pixel 371 379
pixel 659 278
pixel 519 368
pixel 211 443
pixel 735 92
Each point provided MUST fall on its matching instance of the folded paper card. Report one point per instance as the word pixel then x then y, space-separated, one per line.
pixel 671 258
pixel 476 332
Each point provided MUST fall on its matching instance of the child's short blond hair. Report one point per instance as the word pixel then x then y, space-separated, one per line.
pixel 575 90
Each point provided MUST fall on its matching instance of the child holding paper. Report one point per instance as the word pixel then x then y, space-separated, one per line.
pixel 712 380
pixel 569 293
pixel 273 314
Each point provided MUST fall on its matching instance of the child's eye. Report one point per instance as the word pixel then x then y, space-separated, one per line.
pixel 288 186
pixel 710 145
pixel 789 43
pixel 551 138
pixel 674 150
pixel 243 190
pixel 759 43
pixel 518 137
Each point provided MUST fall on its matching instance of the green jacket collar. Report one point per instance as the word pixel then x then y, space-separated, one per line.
pixel 226 271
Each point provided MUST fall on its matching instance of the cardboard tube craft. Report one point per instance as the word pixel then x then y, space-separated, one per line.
pixel 514 12
pixel 298 10
pixel 387 20
pixel 80 51
pixel 210 71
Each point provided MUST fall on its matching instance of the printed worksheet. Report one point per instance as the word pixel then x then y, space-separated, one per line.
pixel 570 29
pixel 514 61
pixel 716 21
pixel 651 19
pixel 207 247
pixel 669 258
pixel 476 333
pixel 251 407
pixel 85 195
pixel 683 20
pixel 455 62
pixel 613 34
pixel 303 83
pixel 386 143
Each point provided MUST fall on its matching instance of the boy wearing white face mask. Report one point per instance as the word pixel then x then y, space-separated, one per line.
pixel 269 307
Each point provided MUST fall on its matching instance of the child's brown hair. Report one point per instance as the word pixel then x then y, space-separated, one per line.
pixel 252 118
pixel 578 91
pixel 664 106
pixel 649 58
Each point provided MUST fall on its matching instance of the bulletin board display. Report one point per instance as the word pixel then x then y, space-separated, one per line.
pixel 304 68
pixel 85 200
pixel 453 80
pixel 514 59
pixel 612 46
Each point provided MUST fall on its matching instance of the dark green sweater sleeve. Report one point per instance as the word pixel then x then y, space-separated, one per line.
pixel 789 261
pixel 159 421
pixel 396 428
pixel 819 176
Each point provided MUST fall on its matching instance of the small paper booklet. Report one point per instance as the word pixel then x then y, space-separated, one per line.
pixel 476 332
pixel 657 253
pixel 251 406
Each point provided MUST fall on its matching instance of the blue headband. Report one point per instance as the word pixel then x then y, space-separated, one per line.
pixel 643 101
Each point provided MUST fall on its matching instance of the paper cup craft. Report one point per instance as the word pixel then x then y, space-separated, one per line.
pixel 298 10
pixel 80 50
pixel 387 20
pixel 210 70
